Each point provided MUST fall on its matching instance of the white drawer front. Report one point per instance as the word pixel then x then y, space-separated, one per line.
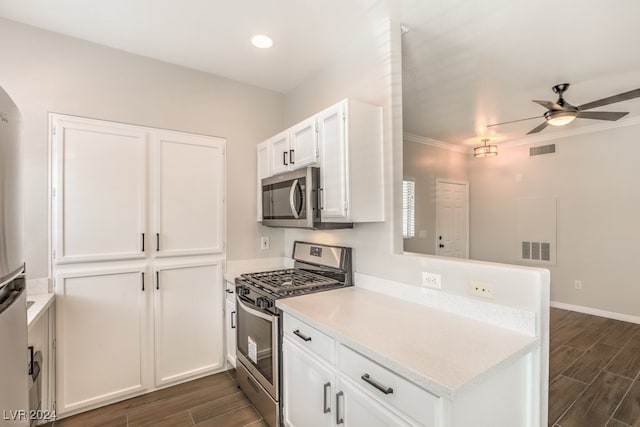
pixel 402 394
pixel 310 338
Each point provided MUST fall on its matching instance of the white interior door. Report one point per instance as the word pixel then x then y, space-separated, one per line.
pixel 99 190
pixel 188 313
pixel 452 218
pixel 101 332
pixel 189 205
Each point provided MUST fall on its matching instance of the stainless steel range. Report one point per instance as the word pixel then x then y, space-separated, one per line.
pixel 259 333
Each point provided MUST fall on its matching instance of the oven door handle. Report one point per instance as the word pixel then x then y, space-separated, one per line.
pixel 253 311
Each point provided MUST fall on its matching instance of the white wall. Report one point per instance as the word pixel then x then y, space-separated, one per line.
pixel 595 179
pixel 46 72
pixel 424 164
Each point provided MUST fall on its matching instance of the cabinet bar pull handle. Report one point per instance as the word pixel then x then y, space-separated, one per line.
pixel 233 325
pixel 284 158
pixel 321 203
pixel 291 156
pixel 339 419
pixel 327 408
pixel 229 291
pixel 142 242
pixel 301 335
pixel 31 361
pixel 157 242
pixel 157 280
pixel 142 281
pixel 386 390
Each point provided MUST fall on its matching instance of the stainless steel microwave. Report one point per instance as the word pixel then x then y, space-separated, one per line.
pixel 293 199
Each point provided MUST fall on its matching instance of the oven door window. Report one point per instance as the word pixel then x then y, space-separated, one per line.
pixel 284 200
pixel 255 341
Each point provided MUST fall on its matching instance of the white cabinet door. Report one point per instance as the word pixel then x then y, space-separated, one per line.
pixel 230 326
pixel 101 335
pixel 356 409
pixel 303 144
pixel 279 153
pixel 308 387
pixel 189 194
pixel 264 171
pixel 188 303
pixel 99 181
pixel 333 163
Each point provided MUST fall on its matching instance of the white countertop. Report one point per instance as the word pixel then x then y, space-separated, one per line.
pixel 41 303
pixel 439 351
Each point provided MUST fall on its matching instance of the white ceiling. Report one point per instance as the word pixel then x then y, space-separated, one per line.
pixel 465 63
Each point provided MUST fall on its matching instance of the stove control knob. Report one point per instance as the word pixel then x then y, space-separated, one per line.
pixel 242 290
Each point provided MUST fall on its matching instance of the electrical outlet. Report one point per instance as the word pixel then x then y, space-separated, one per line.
pixel 264 243
pixel 431 280
pixel 480 289
pixel 577 284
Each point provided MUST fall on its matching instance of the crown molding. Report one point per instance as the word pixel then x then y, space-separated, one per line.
pixel 526 140
pixel 565 133
pixel 410 137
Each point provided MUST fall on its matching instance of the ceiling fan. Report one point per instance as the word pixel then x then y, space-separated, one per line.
pixel 560 113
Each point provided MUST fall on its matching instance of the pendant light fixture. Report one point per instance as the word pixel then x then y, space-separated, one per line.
pixel 485 150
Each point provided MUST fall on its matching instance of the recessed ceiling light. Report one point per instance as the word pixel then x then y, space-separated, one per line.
pixel 261 41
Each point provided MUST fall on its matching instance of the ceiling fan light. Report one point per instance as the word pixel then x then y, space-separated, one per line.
pixel 560 118
pixel 485 150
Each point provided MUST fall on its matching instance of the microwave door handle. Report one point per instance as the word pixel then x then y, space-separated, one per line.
pixel 292 201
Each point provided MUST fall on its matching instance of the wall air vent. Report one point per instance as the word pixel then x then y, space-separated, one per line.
pixel 536 251
pixel 542 149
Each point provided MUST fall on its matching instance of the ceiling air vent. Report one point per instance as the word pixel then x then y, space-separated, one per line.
pixel 542 149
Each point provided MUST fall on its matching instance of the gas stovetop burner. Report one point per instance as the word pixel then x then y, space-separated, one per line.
pixel 283 282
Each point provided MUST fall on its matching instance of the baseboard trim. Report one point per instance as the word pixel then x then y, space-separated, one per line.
pixel 597 312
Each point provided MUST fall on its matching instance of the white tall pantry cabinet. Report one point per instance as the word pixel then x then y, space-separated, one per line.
pixel 137 254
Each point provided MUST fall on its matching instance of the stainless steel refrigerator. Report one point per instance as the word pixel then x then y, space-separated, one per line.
pixel 14 360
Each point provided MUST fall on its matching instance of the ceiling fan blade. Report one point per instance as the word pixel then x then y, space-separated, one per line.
pixel 610 100
pixel 601 115
pixel 548 105
pixel 538 128
pixel 513 121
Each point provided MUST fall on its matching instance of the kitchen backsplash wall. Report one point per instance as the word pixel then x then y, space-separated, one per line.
pixel 46 72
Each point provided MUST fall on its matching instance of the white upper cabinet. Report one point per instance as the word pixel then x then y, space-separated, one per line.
pixel 99 191
pixel 303 144
pixel 345 141
pixel 294 148
pixel 351 163
pixel 100 197
pixel 264 171
pixel 189 189
pixel 279 153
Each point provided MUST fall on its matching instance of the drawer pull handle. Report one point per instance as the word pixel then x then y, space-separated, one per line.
pixel 229 291
pixel 327 408
pixel 339 419
pixel 301 335
pixel 233 323
pixel 386 390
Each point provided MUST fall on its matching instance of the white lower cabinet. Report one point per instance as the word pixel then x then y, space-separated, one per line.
pixel 187 316
pixel 308 387
pixel 319 392
pixel 231 321
pixel 128 329
pixel 101 334
pixel 356 408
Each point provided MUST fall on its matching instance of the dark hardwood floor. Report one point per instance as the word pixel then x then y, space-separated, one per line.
pixel 594 371
pixel 213 401
pixel 594 381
